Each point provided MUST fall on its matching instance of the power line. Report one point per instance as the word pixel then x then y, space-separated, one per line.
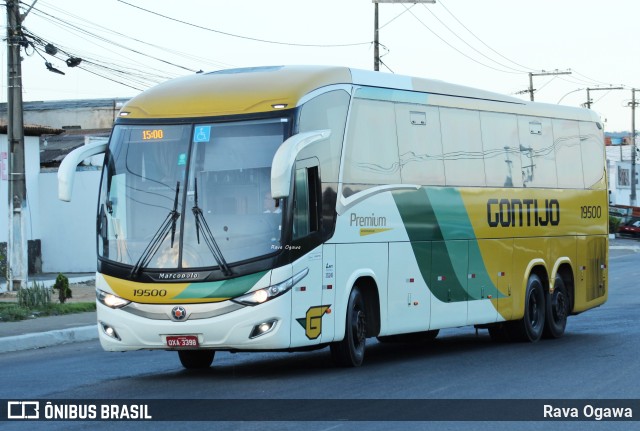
pixel 80 22
pixel 468 44
pixel 396 17
pixel 306 45
pixel 454 48
pixel 119 45
pixel 480 40
pixel 543 73
pixel 135 78
pixel 142 78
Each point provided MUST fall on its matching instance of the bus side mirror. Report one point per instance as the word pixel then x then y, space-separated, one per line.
pixel 67 170
pixel 285 159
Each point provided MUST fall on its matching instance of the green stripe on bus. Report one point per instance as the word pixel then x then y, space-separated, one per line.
pixel 443 242
pixel 221 289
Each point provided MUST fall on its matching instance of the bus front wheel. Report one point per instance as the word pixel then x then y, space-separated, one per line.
pixel 196 359
pixel 350 351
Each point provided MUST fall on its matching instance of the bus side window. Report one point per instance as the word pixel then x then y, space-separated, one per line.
pixel 306 203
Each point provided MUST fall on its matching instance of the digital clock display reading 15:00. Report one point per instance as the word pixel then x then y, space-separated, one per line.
pixel 152 134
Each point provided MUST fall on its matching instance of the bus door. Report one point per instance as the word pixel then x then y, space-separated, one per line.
pixel 307 307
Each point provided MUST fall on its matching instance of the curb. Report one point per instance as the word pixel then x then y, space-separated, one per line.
pixel 47 339
pixel 635 249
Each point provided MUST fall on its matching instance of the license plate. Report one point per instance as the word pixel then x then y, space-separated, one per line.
pixel 182 341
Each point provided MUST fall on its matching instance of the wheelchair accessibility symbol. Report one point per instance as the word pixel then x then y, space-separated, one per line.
pixel 202 134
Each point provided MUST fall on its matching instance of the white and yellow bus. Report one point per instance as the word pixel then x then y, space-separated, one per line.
pixel 291 208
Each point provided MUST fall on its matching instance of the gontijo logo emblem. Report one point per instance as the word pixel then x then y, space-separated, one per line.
pixel 523 212
pixel 312 322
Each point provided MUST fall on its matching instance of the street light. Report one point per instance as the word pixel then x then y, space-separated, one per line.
pixel 574 91
pixel 376 40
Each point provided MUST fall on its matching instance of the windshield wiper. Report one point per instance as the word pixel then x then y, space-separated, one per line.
pixel 168 225
pixel 209 239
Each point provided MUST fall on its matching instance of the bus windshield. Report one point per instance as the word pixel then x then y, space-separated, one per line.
pixel 190 195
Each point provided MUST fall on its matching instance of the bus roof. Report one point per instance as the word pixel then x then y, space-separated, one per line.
pixel 259 89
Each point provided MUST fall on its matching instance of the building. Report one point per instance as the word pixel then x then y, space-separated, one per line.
pixel 70 114
pixel 619 167
pixel 61 235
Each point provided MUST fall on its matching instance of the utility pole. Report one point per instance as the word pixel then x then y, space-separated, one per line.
pixel 632 196
pixel 588 104
pixel 543 73
pixel 17 259
pixel 376 39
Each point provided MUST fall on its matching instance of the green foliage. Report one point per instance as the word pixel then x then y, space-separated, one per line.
pixel 69 308
pixel 11 312
pixel 3 259
pixel 35 296
pixel 62 286
pixel 614 224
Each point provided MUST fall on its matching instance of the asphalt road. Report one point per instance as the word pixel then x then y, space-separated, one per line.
pixel 598 358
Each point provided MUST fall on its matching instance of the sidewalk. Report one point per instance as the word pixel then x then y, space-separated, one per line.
pixel 624 244
pixel 47 331
pixel 50 331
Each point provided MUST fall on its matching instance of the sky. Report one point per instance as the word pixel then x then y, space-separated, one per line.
pixel 130 45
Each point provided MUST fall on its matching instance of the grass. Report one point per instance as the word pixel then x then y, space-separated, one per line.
pixel 35 301
pixel 12 312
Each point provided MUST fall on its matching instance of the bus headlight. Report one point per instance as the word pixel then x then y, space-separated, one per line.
pixel 111 300
pixel 268 293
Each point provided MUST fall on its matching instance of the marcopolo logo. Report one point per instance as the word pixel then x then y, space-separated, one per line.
pixel 523 212
pixel 178 275
pixel 369 224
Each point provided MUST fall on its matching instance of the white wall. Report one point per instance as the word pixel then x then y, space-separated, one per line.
pixel 619 159
pixel 85 118
pixel 32 169
pixel 69 228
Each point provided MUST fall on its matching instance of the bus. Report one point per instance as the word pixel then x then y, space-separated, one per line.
pixel 293 208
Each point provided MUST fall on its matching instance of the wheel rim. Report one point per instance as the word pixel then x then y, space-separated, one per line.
pixel 559 307
pixel 534 310
pixel 358 328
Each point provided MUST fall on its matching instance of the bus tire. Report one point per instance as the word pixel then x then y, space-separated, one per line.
pixel 557 310
pixel 531 327
pixel 350 351
pixel 196 359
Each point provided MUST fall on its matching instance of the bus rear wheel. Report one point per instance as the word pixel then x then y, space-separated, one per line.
pixel 557 310
pixel 350 351
pixel 531 326
pixel 196 359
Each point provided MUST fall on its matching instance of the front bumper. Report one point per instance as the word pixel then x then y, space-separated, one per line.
pixel 229 331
